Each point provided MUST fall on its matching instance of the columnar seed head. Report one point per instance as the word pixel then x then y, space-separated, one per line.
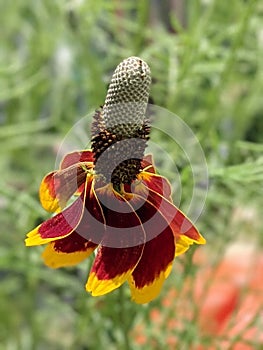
pixel 127 96
pixel 119 129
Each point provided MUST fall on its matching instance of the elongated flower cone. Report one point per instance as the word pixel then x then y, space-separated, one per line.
pixel 120 130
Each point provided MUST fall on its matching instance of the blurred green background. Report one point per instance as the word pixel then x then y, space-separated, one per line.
pixel 56 60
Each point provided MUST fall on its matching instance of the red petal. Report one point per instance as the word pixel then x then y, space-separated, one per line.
pixel 123 227
pixel 48 195
pixel 92 225
pixel 62 224
pixel 57 187
pixel 111 268
pixel 147 164
pixel 159 252
pixel 76 157
pixel 67 251
pixel 73 243
pixel 159 240
pixel 153 268
pixel 156 183
pixel 179 223
pixel 159 187
pixel 122 244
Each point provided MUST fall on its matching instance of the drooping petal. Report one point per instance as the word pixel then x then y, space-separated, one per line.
pixel 147 164
pixel 111 268
pixel 158 254
pixel 159 187
pixel 47 194
pixel 121 247
pixel 183 243
pixel 58 186
pixel 156 183
pixel 92 225
pixel 62 224
pixel 67 251
pixel 153 268
pixel 181 226
pixel 76 157
pixel 179 223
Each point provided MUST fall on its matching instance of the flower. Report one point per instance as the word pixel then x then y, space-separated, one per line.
pixel 231 311
pixel 223 303
pixel 122 208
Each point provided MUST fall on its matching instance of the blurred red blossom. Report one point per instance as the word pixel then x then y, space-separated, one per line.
pixel 223 303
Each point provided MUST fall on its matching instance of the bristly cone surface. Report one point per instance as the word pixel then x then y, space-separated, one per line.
pixel 120 130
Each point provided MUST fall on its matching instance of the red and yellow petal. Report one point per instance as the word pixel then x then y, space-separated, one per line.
pixel 156 183
pixel 123 226
pixel 76 157
pixel 92 224
pixel 183 243
pixel 148 292
pixel 111 268
pixel 47 194
pixel 67 251
pixel 147 164
pixel 122 245
pixel 60 225
pixel 179 223
pixel 158 254
pixel 153 268
pixel 58 186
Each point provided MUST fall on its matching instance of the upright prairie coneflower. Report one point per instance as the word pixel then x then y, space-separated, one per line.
pixel 122 209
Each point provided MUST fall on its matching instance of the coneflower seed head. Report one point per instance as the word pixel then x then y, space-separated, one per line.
pixel 119 129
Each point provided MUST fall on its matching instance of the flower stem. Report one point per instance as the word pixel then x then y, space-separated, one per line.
pixel 124 323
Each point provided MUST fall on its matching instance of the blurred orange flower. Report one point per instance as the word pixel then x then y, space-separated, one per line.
pixel 223 304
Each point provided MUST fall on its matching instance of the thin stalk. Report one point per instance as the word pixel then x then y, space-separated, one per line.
pixel 124 324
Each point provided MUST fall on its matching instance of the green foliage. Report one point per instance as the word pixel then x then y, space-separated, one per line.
pixel 56 59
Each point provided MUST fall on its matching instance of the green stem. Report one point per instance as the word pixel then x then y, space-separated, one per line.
pixel 124 324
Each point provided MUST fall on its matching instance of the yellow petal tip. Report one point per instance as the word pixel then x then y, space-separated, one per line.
pixel 99 287
pixel 33 238
pixel 150 291
pixel 201 240
pixel 55 259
